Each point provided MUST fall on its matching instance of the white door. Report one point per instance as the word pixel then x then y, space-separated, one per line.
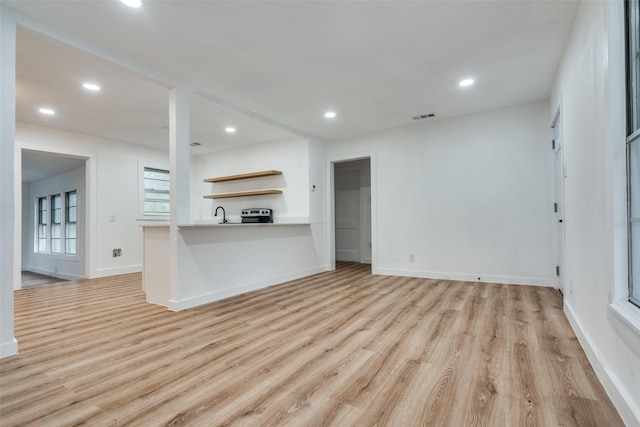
pixel 347 214
pixel 559 202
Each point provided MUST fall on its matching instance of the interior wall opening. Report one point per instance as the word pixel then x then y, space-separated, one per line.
pixel 352 211
pixel 53 217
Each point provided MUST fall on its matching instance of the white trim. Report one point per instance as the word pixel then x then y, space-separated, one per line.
pixel 362 168
pixel 157 218
pixel 625 404
pixel 616 124
pixel 560 241
pixel 141 214
pixel 8 348
pixel 330 204
pixel 90 202
pixel 114 271
pixel 634 135
pixel 184 304
pixel 628 316
pixel 91 216
pixel 467 277
pixel 17 218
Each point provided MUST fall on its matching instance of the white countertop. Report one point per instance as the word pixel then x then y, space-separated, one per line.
pixel 227 225
pixel 240 224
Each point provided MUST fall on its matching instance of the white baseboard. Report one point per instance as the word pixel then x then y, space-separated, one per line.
pixel 624 403
pixel 8 348
pixel 114 271
pixel 226 293
pixel 466 277
pixel 57 275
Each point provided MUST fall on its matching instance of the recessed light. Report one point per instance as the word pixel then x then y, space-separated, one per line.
pixel 230 130
pixel 330 114
pixel 466 82
pixel 47 111
pixel 91 86
pixel 132 3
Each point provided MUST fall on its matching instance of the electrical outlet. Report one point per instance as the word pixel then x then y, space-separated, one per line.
pixel 412 258
pixel 117 252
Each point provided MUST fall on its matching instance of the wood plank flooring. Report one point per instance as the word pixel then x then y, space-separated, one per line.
pixel 34 279
pixel 343 348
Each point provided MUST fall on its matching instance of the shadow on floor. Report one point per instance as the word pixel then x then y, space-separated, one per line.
pixel 34 279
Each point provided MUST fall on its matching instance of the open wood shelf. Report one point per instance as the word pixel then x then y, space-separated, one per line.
pixel 244 176
pixel 242 194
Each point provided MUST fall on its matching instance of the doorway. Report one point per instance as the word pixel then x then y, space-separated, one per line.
pixel 53 216
pixel 352 211
pixel 558 205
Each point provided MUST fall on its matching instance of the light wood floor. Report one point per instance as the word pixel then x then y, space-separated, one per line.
pixel 343 349
pixel 34 279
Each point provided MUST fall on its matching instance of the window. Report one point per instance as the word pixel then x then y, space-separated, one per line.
pixel 156 191
pixel 41 232
pixel 633 145
pixel 71 223
pixel 57 224
pixel 56 228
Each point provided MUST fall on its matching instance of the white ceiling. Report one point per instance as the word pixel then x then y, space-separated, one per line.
pixel 129 107
pixel 38 165
pixel 376 63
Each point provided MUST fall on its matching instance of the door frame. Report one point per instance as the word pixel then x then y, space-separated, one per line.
pixel 90 217
pixel 330 206
pixel 364 205
pixel 559 231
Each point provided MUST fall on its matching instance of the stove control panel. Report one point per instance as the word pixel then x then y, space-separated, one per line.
pixel 256 215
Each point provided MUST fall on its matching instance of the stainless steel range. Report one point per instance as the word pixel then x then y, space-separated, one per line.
pixel 256 215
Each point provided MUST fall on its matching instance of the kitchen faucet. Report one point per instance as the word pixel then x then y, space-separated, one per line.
pixel 224 215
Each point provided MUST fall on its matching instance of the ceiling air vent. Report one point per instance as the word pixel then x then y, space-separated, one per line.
pixel 424 116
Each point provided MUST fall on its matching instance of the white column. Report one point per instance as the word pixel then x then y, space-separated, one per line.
pixel 179 155
pixel 8 344
pixel 179 175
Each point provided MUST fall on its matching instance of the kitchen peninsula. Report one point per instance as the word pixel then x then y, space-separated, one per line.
pixel 221 260
pixel 194 263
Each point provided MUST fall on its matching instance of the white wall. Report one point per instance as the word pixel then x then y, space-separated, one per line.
pixel 291 156
pixel 470 197
pixel 317 190
pixel 61 266
pixel 590 94
pixel 113 167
